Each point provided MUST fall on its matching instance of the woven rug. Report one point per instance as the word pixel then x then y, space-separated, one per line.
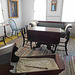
pixel 27 51
pixel 69 60
pixel 10 39
pixel 73 38
pixel 73 61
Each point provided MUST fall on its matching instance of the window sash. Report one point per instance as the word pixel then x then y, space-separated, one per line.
pixel 68 14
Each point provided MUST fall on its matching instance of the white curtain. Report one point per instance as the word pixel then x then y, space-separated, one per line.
pixel 68 14
pixel 1 13
pixel 39 9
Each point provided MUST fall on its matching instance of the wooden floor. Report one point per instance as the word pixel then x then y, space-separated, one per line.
pixel 69 60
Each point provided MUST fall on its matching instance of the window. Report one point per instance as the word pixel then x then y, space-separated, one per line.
pixel 68 14
pixel 1 13
pixel 39 9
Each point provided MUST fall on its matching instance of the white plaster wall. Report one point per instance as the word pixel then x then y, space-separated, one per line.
pixel 53 18
pixel 54 15
pixel 27 11
pixel 6 17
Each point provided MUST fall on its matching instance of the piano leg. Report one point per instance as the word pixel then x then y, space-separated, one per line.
pixel 53 49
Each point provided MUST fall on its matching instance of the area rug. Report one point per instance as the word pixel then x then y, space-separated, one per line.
pixel 73 62
pixel 73 38
pixel 25 51
pixel 9 39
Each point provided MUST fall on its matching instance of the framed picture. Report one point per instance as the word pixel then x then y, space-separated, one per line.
pixel 13 8
pixel 53 5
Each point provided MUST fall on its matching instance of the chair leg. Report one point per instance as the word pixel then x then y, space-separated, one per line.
pixel 66 48
pixel 31 44
pixel 12 33
pixel 17 33
pixel 55 47
pixel 23 41
pixel 37 46
pixel 27 41
pixel 49 46
pixel 4 40
pixel 24 31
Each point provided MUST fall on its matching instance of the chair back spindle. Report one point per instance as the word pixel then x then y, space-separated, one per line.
pixel 13 26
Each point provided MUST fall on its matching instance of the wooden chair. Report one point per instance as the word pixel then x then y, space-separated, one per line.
pixel 13 26
pixel 2 39
pixel 66 38
pixel 24 34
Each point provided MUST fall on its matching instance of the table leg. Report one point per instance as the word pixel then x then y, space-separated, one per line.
pixel 54 48
pixel 5 33
pixel 23 41
pixel 31 44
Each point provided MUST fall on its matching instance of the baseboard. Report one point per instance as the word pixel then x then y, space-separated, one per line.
pixel 72 34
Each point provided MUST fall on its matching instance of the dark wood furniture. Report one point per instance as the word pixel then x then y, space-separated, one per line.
pixel 58 61
pixel 24 33
pixel 47 35
pixel 5 35
pixel 4 25
pixel 55 24
pixel 4 69
pixel 65 41
pixel 52 24
pixel 65 38
pixel 5 29
pixel 2 39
